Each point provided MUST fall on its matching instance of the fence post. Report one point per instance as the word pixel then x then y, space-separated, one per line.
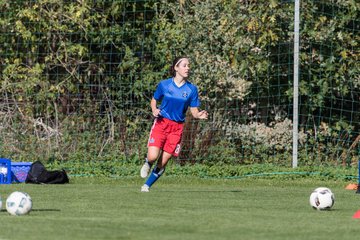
pixel 296 84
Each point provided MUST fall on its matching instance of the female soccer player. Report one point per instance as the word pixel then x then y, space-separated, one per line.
pixel 176 95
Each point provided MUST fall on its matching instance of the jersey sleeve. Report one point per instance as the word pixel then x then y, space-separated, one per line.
pixel 159 92
pixel 195 101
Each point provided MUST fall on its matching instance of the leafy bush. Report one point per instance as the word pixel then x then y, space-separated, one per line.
pixel 77 77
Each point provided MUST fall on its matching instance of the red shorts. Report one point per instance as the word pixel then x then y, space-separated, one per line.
pixel 166 135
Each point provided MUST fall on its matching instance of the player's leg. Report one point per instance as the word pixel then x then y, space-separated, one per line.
pixel 157 172
pixel 152 155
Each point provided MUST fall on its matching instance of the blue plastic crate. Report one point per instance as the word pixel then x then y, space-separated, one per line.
pixel 5 171
pixel 20 171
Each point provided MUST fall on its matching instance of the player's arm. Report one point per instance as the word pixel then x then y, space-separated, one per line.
pixel 198 114
pixel 154 109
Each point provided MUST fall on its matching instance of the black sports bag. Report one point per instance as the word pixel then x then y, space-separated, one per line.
pixel 38 174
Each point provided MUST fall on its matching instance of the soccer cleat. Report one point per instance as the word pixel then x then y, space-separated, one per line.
pixel 145 169
pixel 145 188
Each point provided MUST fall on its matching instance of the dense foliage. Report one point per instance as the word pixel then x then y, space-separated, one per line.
pixel 77 76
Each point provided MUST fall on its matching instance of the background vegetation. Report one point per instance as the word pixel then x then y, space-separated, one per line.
pixel 77 77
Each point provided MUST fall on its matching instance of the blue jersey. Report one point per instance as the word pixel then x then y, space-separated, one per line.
pixel 176 100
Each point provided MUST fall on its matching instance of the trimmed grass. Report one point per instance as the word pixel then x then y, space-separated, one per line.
pixel 181 208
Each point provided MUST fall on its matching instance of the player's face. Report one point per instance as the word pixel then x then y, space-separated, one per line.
pixel 183 68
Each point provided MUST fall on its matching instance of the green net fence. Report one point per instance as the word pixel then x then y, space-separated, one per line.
pixel 77 78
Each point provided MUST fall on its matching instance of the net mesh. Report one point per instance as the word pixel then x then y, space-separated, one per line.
pixel 77 78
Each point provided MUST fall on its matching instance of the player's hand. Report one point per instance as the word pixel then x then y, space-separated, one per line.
pixel 156 112
pixel 203 114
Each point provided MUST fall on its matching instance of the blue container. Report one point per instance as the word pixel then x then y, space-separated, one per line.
pixel 5 171
pixel 20 171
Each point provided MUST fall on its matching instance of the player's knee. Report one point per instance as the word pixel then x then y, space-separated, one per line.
pixel 152 156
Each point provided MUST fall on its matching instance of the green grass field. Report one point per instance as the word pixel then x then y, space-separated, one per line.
pixel 181 208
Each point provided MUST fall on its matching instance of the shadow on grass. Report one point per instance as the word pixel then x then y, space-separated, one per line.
pixel 38 210
pixel 45 210
pixel 202 191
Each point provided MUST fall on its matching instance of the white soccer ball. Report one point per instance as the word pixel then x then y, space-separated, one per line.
pixel 322 198
pixel 0 203
pixel 18 203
